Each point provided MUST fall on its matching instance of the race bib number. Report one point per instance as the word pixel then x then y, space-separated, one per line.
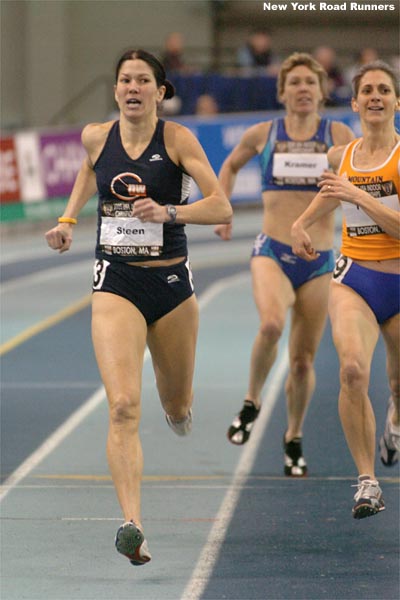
pixel 307 166
pixel 99 273
pixel 131 237
pixel 342 266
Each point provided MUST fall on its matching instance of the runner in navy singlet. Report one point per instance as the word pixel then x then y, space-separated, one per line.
pixel 143 294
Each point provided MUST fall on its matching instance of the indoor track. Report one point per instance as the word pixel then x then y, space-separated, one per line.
pixel 222 522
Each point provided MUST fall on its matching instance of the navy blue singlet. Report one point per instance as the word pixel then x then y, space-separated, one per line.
pixel 121 181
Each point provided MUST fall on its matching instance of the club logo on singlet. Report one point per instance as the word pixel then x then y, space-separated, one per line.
pixel 122 234
pixel 387 187
pixel 128 187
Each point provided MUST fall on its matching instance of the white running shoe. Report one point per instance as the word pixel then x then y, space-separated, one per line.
pixel 389 444
pixel 368 498
pixel 183 427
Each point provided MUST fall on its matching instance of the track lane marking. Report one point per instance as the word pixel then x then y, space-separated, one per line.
pixel 211 550
pixel 59 316
pixel 57 437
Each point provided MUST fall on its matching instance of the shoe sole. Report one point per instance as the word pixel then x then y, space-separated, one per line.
pixel 366 510
pixel 288 473
pixel 232 432
pixel 128 543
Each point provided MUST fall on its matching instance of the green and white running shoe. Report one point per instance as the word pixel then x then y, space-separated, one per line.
pixel 130 542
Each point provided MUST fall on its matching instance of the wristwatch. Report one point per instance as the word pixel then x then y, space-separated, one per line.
pixel 171 211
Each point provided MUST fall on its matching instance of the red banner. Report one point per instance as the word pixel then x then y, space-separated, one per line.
pixel 9 179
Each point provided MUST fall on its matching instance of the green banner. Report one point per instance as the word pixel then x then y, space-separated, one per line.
pixel 40 211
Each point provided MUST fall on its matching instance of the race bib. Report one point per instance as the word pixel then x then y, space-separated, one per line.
pixel 358 223
pixel 299 166
pixel 130 237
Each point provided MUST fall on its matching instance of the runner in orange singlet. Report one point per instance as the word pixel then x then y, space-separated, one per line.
pixel 364 294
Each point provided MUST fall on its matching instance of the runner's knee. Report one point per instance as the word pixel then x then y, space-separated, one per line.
pixel 124 410
pixel 271 330
pixel 301 366
pixel 353 374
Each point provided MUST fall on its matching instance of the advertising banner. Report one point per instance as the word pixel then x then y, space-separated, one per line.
pixel 61 156
pixel 29 166
pixel 38 169
pixel 9 180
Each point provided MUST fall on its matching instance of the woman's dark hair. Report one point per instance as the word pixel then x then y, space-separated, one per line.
pixel 154 64
pixel 376 65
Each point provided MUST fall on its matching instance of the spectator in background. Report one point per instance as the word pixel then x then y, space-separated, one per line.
pixel 394 62
pixel 206 104
pixel 173 55
pixel 326 56
pixel 363 57
pixel 257 53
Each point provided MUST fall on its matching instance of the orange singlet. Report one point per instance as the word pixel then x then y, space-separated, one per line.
pixel 362 238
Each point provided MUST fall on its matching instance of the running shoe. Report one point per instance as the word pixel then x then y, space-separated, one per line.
pixel 130 542
pixel 242 424
pixel 183 427
pixel 295 465
pixel 368 498
pixel 389 444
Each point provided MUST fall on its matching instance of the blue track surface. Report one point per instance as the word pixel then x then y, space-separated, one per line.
pixel 222 522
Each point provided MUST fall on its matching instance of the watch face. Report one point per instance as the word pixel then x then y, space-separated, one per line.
pixel 172 212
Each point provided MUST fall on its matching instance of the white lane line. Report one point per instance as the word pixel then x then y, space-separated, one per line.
pixel 210 552
pixel 40 277
pixel 57 437
pixel 199 260
pixel 52 442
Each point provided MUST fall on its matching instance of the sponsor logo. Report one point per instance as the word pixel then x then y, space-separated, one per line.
pixel 387 187
pixel 155 157
pixel 288 258
pixel 173 278
pixel 128 186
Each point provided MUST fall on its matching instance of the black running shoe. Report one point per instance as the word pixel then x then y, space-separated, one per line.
pixel 242 424
pixel 295 465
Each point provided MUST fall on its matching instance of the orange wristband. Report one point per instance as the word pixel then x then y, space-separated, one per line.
pixel 70 220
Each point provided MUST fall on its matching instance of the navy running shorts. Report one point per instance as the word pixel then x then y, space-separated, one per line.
pixel 381 291
pixel 155 291
pixel 298 270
